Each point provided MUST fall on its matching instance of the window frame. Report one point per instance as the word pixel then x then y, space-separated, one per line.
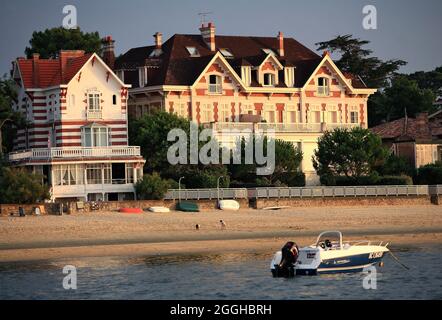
pixel 271 76
pixel 217 85
pixel 323 90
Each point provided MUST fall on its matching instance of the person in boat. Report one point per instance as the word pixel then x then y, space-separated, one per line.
pixel 290 254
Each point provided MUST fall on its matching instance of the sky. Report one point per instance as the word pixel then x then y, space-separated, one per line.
pixel 406 29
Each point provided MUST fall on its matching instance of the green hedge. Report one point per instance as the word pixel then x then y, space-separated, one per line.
pixel 369 181
pixel 429 174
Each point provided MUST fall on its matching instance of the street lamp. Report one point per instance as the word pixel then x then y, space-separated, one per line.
pixel 179 189
pixel 217 185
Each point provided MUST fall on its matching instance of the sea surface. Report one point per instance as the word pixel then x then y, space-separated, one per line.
pixel 218 276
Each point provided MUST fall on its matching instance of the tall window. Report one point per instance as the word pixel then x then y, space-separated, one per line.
pixel 129 173
pixel 95 136
pixel 247 109
pixel 71 174
pixel 269 114
pixel 94 102
pixel 269 79
pixel 93 174
pixel 206 115
pixel 292 114
pixel 323 86
pixel 215 84
pixel 354 117
pixel 224 114
pixel 315 114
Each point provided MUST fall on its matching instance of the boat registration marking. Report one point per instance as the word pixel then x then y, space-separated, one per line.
pixel 374 255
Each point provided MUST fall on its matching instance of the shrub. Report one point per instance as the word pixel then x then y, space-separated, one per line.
pixel 152 187
pixel 294 179
pixel 401 180
pixel 370 180
pixel 18 185
pixel 430 174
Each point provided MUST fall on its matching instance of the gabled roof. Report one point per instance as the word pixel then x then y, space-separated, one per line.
pixel 39 73
pixel 44 73
pixel 176 67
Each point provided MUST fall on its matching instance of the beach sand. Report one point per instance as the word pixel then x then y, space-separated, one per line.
pixel 248 230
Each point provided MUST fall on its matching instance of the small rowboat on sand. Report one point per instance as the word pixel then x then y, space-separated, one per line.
pixel 158 209
pixel 228 205
pixel 131 210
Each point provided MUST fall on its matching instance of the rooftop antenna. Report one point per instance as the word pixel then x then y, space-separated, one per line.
pixel 203 16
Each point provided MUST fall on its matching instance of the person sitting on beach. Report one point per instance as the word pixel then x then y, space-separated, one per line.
pixel 223 224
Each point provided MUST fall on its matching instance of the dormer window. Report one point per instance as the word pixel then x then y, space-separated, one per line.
pixel 215 84
pixel 268 51
pixel 193 51
pixel 323 86
pixel 226 53
pixel 289 76
pixel 246 75
pixel 269 79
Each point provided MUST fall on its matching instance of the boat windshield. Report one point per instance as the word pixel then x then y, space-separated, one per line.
pixel 330 240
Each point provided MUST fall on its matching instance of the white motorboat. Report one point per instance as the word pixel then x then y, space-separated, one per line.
pixel 328 255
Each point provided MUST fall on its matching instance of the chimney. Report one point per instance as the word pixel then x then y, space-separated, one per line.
pixel 35 69
pixel 108 54
pixel 422 125
pixel 280 44
pixel 158 40
pixel 208 34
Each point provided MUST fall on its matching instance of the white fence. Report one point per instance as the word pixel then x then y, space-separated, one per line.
pixel 305 192
pixel 75 152
pixel 206 194
pixel 357 191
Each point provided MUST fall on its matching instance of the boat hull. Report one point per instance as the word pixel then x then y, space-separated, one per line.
pixel 355 263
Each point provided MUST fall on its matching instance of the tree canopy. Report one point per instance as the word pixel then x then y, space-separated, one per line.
pixel 356 59
pixel 50 41
pixel 353 154
pixel 18 185
pixel 9 119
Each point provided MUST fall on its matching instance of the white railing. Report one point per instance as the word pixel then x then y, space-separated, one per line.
pixel 331 126
pixel 219 126
pixel 74 152
pixel 290 127
pixel 94 114
pixel 305 192
pixel 357 191
pixel 209 194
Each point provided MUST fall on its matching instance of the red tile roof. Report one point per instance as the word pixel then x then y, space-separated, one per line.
pixel 404 129
pixel 43 73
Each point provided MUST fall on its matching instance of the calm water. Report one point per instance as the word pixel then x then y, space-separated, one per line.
pixel 229 276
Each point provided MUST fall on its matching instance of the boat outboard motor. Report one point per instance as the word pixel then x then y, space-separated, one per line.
pixel 289 257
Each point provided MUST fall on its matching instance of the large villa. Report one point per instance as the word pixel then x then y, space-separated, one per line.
pixel 78 104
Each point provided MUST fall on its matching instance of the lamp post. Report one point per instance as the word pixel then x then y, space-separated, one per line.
pixel 179 189
pixel 217 185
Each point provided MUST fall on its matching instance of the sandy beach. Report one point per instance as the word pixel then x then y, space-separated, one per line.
pixel 118 234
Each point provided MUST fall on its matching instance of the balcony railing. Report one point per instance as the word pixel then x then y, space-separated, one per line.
pixel 215 88
pixel 280 127
pixel 74 152
pixel 94 114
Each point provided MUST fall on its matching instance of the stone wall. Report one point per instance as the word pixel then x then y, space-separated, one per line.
pixel 71 207
pixel 326 202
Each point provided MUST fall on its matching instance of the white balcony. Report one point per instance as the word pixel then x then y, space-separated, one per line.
pixel 74 152
pixel 280 127
pixel 94 114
